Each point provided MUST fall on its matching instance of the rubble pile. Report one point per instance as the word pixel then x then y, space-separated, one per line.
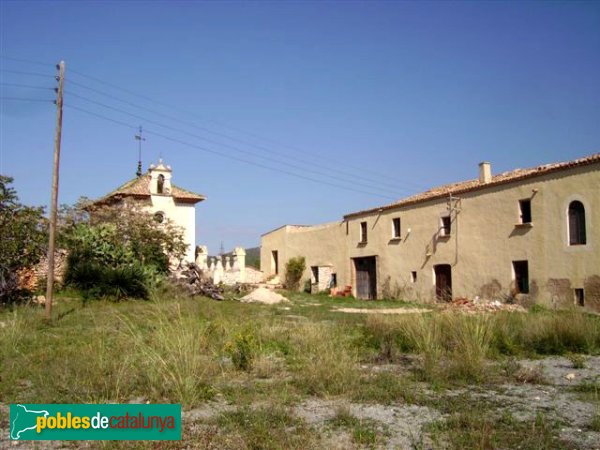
pixel 194 282
pixel 478 305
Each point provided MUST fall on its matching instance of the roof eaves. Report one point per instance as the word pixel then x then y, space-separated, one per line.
pixel 472 185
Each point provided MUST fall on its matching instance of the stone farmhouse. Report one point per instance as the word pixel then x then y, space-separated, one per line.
pixel 155 193
pixel 528 235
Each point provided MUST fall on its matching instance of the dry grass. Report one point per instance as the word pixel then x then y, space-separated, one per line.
pixel 188 351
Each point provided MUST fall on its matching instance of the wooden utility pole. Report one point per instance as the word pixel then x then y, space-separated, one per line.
pixel 54 202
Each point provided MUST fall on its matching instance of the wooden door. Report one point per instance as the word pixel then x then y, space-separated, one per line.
pixel 366 277
pixel 443 282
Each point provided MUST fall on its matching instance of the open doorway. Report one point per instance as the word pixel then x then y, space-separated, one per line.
pixel 443 282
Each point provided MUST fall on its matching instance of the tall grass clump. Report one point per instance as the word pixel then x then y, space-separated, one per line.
pixel 175 354
pixel 424 333
pixel 563 332
pixel 507 333
pixel 13 330
pixel 468 340
pixel 323 359
pixel 385 334
pixel 418 333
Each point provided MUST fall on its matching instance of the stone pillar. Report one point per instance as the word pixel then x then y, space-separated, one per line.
pixel 202 257
pixel 227 263
pixel 240 262
pixel 218 274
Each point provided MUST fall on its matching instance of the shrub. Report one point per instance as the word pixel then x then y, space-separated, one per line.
pixel 22 240
pixel 119 253
pixel 242 349
pixel 294 269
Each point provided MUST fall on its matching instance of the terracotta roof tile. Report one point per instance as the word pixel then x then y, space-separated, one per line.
pixel 140 187
pixel 472 185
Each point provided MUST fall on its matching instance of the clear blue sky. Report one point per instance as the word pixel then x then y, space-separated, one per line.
pixel 413 94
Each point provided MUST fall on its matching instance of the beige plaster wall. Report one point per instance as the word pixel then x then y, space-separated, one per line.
pixel 485 240
pixel 481 248
pixel 320 245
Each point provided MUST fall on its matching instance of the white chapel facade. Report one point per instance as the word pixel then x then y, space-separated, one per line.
pixel 155 192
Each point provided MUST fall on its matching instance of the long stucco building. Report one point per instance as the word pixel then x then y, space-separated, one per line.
pixel 529 235
pixel 155 193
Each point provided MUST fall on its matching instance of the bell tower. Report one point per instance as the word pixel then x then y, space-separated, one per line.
pixel 160 178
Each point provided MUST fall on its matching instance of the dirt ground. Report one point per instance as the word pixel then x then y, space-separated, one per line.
pixel 404 426
pixel 382 310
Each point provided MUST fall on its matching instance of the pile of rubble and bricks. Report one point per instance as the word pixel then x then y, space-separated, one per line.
pixel 194 281
pixel 343 291
pixel 478 305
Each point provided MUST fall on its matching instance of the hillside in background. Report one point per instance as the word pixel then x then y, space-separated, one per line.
pixel 253 257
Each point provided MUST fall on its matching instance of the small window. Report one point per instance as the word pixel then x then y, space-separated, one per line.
pixel 363 232
pixel 159 217
pixel 521 269
pixel 413 276
pixel 396 228
pixel 525 209
pixel 577 235
pixel 446 226
pixel 579 297
pixel 160 184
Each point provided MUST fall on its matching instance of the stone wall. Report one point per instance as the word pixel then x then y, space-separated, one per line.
pixel 228 269
pixel 31 278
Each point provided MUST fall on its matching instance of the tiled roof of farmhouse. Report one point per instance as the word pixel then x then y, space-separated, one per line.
pixel 140 187
pixel 473 185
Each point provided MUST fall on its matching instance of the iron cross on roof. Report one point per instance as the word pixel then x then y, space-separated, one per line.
pixel 139 138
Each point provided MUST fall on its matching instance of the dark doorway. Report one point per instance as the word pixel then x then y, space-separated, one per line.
pixel 521 269
pixel 443 282
pixel 366 277
pixel 275 262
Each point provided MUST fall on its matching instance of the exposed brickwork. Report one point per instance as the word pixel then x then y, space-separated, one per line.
pixel 591 288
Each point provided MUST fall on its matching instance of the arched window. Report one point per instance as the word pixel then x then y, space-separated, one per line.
pixel 160 184
pixel 576 223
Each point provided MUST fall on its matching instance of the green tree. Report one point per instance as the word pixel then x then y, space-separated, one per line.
pixel 117 251
pixel 23 240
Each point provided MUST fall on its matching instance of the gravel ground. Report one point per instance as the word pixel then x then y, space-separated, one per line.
pixel 402 423
pixel 401 426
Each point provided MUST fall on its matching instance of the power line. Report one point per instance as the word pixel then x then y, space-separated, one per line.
pixel 26 86
pixel 27 99
pixel 39 63
pixel 224 155
pixel 362 169
pixel 33 74
pixel 100 116
pixel 338 172
pixel 283 163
